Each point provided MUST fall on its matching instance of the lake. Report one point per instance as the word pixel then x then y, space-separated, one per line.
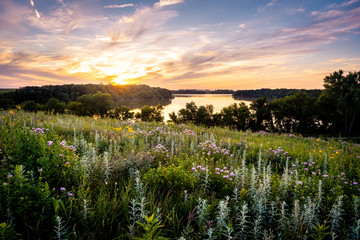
pixel 217 100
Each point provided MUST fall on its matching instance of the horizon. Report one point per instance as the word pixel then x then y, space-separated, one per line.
pixel 178 44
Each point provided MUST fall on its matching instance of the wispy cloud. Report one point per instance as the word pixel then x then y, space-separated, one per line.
pixel 120 6
pixel 163 3
pixel 271 3
pixel 343 4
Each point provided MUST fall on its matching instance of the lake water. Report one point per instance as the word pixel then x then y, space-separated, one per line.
pixel 217 100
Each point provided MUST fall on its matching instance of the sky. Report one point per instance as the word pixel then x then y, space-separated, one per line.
pixel 178 44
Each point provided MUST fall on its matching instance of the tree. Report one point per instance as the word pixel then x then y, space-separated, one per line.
pixel 261 114
pixel 98 103
pixel 343 92
pixel 295 113
pixel 150 114
pixel 29 106
pixel 235 116
pixel 123 113
pixel 55 106
pixel 76 108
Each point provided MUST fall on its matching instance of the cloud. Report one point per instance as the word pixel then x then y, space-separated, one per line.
pixel 343 4
pixel 271 3
pixel 120 6
pixel 163 3
pixel 32 3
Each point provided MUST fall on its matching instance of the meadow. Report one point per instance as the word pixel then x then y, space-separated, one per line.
pixel 70 177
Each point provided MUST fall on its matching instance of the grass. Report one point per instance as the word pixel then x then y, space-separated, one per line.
pixel 68 177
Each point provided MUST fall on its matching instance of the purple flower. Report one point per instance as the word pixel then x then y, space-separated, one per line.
pixel 10 176
pixel 232 174
pixel 67 163
pixel 217 169
pixel 198 166
pixel 294 165
pixel 325 175
pixel 40 169
pixel 62 189
pixel 355 183
pixel 225 176
pixel 346 182
pixel 203 169
pixel 313 162
pixel 70 194
pixel 343 179
pixel 50 143
pixel 4 183
pixel 217 173
pixel 319 170
pixel 193 169
pixel 221 170
pixel 299 182
pixel 342 173
pixel 225 167
pixel 313 173
pixel 306 169
pixel 310 165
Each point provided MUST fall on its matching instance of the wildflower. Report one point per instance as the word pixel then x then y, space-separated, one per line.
pixel 306 169
pixel 313 163
pixel 203 169
pixel 294 165
pixel 346 182
pixel 10 176
pixel 198 166
pixel 218 173
pixel 325 175
pixel 342 173
pixel 40 169
pixel 61 155
pixel 70 194
pixel 232 174
pixel 225 167
pixel 319 170
pixel 343 179
pixel 62 189
pixel 225 176
pixel 4 183
pixel 299 182
pixel 193 169
pixel 221 170
pixel 50 143
pixel 355 183
pixel 217 169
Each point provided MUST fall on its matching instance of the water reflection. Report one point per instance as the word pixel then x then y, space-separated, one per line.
pixel 217 100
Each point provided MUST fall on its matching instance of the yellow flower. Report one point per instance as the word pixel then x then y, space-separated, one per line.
pixel 320 151
pixel 337 152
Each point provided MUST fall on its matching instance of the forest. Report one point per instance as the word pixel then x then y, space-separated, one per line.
pixel 133 96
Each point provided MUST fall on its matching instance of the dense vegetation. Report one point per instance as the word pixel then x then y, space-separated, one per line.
pixel 133 96
pixel 196 91
pixel 69 177
pixel 272 94
pixel 334 112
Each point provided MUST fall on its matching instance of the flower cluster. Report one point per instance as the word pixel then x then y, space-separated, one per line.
pixel 38 131
pixel 71 147
pixel 208 148
pixel 188 132
pixel 161 150
pixel 278 152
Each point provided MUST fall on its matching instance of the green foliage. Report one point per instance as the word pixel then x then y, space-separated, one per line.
pixel 7 232
pixel 170 177
pixel 152 229
pixel 150 114
pixel 320 232
pixel 98 103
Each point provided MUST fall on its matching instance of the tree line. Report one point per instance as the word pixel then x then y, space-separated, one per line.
pixel 133 96
pixel 272 94
pixel 335 111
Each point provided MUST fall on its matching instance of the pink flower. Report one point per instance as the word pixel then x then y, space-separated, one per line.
pixel 50 143
pixel 299 182
pixel 193 169
pixel 62 189
pixel 232 174
pixel 217 169
pixel 225 176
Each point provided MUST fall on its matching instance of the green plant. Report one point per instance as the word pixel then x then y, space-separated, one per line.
pixel 152 229
pixel 320 232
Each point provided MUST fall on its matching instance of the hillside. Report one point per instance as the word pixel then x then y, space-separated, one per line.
pixel 133 96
